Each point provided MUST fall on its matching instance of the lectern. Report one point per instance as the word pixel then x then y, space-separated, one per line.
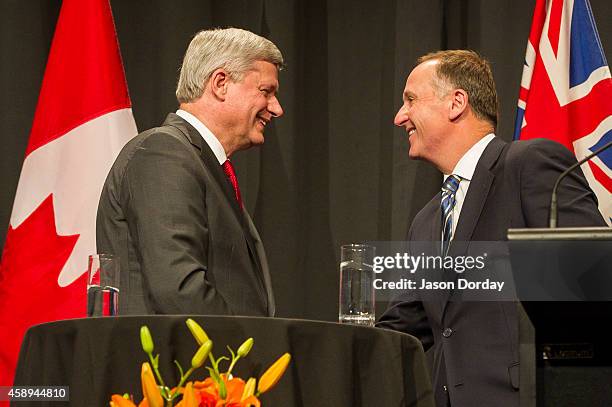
pixel 563 279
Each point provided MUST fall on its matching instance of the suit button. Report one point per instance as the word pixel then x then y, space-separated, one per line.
pixel 447 332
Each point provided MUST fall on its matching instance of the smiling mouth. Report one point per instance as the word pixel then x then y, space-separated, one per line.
pixel 263 121
pixel 411 131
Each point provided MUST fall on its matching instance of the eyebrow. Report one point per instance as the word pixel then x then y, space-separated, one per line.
pixel 274 87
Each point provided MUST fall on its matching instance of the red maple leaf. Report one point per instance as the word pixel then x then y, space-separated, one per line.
pixel 33 257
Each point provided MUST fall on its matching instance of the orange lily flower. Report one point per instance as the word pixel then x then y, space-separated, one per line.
pixel 190 397
pixel 209 393
pixel 149 387
pixel 118 401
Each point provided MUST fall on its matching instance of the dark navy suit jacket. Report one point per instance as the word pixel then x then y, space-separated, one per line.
pixel 473 347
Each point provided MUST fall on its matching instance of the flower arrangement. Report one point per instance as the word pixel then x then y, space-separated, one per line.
pixel 219 389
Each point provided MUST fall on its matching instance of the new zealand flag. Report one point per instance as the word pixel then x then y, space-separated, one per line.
pixel 566 89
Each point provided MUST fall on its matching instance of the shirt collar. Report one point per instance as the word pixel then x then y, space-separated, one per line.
pixel 467 164
pixel 206 134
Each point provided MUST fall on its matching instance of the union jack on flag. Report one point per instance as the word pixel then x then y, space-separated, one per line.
pixel 566 89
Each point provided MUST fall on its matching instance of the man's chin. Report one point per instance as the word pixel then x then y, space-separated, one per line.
pixel 257 139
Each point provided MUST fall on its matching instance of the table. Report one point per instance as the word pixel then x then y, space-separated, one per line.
pixel 332 365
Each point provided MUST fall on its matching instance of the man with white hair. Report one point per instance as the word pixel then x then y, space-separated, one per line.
pixel 171 207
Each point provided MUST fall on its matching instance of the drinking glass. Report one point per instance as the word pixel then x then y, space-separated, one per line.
pixel 103 285
pixel 356 285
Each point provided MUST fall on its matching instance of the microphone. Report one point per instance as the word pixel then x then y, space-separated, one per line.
pixel 552 219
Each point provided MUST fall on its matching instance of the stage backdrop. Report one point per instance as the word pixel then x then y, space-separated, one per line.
pixel 333 170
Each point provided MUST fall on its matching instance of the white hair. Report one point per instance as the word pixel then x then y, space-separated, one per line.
pixel 232 49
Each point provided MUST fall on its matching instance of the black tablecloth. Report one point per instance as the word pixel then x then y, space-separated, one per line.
pixel 333 365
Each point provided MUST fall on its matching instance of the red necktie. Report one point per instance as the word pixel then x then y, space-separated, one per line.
pixel 231 174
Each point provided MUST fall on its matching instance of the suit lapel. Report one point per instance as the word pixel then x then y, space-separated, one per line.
pixel 209 159
pixel 425 234
pixel 436 236
pixel 475 200
pixel 478 192
pixel 436 225
pixel 260 254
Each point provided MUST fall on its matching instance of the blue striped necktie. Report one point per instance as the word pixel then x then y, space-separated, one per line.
pixel 449 189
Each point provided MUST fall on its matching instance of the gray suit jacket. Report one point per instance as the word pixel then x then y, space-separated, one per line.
pixel 473 346
pixel 169 212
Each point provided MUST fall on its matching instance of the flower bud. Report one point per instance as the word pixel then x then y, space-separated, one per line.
pixel 245 348
pixel 273 374
pixel 197 331
pixel 146 340
pixel 149 387
pixel 200 356
pixel 249 389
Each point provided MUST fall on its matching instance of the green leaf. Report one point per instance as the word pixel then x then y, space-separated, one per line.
pixel 222 390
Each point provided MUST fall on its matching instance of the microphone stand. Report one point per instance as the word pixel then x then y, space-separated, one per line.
pixel 552 219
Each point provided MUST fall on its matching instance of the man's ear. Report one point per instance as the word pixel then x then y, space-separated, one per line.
pixel 219 81
pixel 459 103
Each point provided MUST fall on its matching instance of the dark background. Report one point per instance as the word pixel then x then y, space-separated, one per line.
pixel 333 170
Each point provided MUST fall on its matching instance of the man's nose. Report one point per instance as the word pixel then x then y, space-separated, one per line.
pixel 400 117
pixel 275 107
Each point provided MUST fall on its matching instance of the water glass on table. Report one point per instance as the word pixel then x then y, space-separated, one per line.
pixel 356 285
pixel 103 285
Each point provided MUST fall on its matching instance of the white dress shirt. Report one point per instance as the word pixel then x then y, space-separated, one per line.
pixel 206 134
pixel 465 169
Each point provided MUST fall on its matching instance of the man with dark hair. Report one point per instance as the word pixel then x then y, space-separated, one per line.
pixel 449 112
pixel 171 207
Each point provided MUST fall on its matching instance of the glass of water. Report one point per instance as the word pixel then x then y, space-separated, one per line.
pixel 356 285
pixel 103 285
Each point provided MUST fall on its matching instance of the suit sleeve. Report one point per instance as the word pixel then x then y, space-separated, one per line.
pixel 541 164
pixel 406 314
pixel 167 219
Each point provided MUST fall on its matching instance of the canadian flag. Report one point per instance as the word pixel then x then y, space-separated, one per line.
pixel 83 119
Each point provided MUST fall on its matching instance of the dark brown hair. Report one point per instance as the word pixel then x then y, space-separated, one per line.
pixel 467 70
